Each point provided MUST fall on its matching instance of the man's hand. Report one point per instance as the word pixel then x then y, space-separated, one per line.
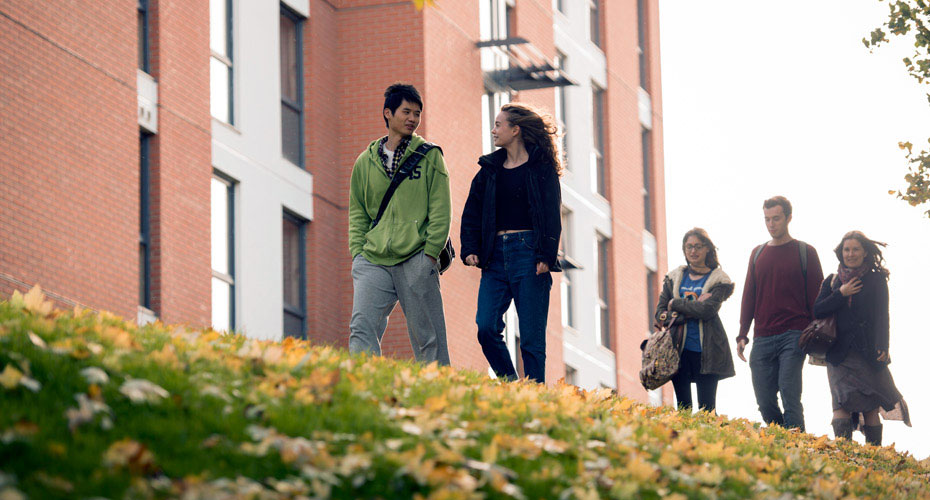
pixel 471 260
pixel 705 296
pixel 883 357
pixel 740 347
pixel 851 288
pixel 541 267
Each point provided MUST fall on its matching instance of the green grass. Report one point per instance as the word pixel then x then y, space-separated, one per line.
pixel 295 420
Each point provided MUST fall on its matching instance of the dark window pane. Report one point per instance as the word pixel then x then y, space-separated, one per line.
pixel 605 327
pixel 289 62
pixel 141 30
pixel 595 23
pixel 143 281
pixel 292 278
pixel 293 325
pixel 290 134
pixel 647 180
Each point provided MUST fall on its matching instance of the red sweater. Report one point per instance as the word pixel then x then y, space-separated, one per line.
pixel 774 295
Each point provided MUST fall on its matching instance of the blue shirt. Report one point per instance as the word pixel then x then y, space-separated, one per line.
pixel 691 290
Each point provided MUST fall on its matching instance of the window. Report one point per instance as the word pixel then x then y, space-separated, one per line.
pixel 221 60
pixel 649 222
pixel 597 159
pixel 561 113
pixel 295 276
pixel 565 244
pixel 222 252
pixel 603 283
pixel 559 5
pixel 292 98
pixel 642 48
pixel 571 375
pixel 142 30
pixel 652 296
pixel 595 18
pixel 145 236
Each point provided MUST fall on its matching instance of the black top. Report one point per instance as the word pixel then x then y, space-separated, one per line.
pixel 544 197
pixel 513 207
pixel 861 325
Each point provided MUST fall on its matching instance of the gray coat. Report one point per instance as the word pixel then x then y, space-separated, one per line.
pixel 716 358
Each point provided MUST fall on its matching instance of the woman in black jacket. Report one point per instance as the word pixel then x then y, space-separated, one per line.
pixel 857 363
pixel 510 229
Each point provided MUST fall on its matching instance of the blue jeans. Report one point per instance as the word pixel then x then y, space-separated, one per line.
pixel 776 364
pixel 511 276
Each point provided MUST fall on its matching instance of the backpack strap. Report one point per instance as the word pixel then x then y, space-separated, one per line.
pixel 755 257
pixel 802 247
pixel 402 173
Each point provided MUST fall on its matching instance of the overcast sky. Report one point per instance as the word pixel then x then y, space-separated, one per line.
pixel 766 98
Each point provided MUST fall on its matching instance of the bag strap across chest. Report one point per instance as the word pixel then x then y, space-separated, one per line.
pixel 402 173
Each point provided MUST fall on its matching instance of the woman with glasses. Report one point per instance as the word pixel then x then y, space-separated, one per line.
pixel 695 292
pixel 857 362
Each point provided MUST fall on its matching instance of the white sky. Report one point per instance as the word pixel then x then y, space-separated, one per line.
pixel 766 98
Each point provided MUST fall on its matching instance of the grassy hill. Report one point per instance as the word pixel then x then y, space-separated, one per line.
pixel 93 406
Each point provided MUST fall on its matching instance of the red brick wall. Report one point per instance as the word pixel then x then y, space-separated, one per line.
pixel 625 176
pixel 328 153
pixel 69 162
pixel 181 172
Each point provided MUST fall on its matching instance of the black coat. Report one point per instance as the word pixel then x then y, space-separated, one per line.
pixel 479 224
pixel 862 326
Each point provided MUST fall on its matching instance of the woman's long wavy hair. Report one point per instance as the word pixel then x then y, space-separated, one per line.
pixel 873 254
pixel 536 129
pixel 711 259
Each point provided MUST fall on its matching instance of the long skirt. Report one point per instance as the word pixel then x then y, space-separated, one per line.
pixel 860 387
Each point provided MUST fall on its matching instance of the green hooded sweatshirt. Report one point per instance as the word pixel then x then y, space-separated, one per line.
pixel 417 218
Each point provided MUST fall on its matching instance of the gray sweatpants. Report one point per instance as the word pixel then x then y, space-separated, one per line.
pixel 415 282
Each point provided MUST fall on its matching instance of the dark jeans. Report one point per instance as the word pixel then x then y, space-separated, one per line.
pixel 511 276
pixel 776 364
pixel 689 370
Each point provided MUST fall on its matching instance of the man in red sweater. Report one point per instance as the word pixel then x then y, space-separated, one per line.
pixel 779 295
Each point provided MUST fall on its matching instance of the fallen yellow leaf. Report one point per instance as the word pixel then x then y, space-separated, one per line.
pixel 10 377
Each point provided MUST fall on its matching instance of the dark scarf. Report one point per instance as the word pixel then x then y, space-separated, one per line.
pixel 845 274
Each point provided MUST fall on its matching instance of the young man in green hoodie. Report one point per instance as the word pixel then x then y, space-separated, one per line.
pixel 397 259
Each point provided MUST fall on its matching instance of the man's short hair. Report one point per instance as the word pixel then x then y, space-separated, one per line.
pixel 396 94
pixel 778 201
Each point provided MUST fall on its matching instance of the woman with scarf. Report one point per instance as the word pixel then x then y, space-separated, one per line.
pixel 695 292
pixel 857 362
pixel 510 229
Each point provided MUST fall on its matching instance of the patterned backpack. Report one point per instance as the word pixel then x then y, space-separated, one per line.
pixel 660 357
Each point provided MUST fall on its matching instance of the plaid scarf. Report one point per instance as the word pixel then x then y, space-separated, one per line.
pixel 398 154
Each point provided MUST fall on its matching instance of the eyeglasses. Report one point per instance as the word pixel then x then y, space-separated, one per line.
pixel 694 247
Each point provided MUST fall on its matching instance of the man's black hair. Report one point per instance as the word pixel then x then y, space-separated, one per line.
pixel 396 94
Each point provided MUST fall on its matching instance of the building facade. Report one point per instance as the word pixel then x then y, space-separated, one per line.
pixel 190 161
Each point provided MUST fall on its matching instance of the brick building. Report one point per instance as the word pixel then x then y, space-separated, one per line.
pixel 189 161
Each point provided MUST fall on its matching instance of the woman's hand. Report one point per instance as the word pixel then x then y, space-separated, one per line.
pixel 542 267
pixel 851 287
pixel 471 260
pixel 883 357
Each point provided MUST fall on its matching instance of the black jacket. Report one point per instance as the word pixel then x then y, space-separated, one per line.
pixel 862 326
pixel 479 225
